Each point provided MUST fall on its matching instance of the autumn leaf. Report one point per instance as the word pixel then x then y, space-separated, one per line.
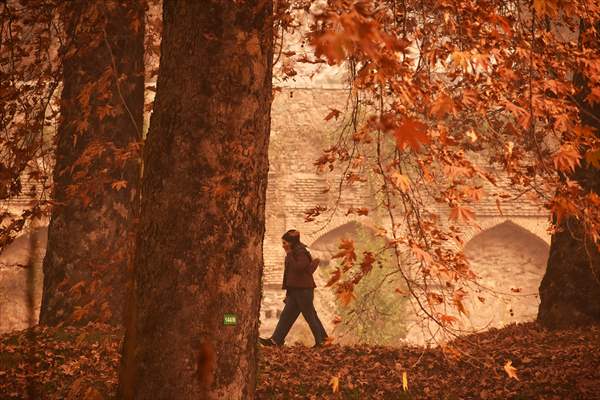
pixel 510 370
pixel 82 126
pixel 545 7
pixel 85 199
pixel 404 381
pixel 75 290
pixel 457 300
pixel 459 213
pixel 93 394
pixel 435 298
pixel 474 193
pixel 331 45
pixel 503 23
pixel 118 185
pixel 401 181
pixel 421 255
pixel 367 263
pixel 106 110
pixel 566 158
pixel 426 174
pixel 594 96
pixel 346 296
pixel 358 211
pixel 85 95
pixel 521 115
pixel 447 319
pixel 454 171
pixel 79 313
pixel 442 106
pixel 333 113
pixel 312 213
pixel 362 211
pixel 335 276
pixel 450 351
pixel 411 133
pixel 593 158
pixel 471 135
pixel 346 253
pixel 461 59
pixel 289 70
pixel 561 207
pixel 335 384
pixel 539 6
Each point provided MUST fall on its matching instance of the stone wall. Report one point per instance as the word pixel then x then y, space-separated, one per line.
pixel 21 280
pixel 299 134
pixel 508 252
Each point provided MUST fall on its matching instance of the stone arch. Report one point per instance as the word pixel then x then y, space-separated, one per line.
pixel 328 242
pixel 536 225
pixel 510 261
pixel 340 225
pixel 324 246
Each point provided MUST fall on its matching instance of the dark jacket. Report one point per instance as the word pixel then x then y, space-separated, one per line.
pixel 298 269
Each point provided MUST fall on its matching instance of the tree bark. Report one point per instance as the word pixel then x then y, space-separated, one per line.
pixel 570 289
pixel 97 171
pixel 199 246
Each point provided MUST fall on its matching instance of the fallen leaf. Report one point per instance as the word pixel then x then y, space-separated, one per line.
pixel 335 384
pixel 510 370
pixel 118 185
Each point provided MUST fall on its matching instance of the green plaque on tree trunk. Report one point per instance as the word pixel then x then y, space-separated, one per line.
pixel 229 319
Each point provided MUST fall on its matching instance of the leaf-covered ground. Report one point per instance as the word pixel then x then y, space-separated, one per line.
pixel 82 364
pixel 43 363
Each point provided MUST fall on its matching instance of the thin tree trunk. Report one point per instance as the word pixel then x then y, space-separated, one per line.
pixel 199 246
pixel 96 176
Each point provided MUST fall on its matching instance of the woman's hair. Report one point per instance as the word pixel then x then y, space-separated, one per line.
pixel 292 236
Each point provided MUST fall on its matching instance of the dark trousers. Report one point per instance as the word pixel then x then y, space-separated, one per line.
pixel 299 301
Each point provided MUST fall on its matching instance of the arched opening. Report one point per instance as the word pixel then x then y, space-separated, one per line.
pixel 327 245
pixel 510 262
pixel 20 267
pixel 377 315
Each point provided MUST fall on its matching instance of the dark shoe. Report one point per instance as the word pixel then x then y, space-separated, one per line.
pixel 266 341
pixel 326 342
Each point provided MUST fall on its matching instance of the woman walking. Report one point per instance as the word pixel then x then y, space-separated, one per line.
pixel 299 285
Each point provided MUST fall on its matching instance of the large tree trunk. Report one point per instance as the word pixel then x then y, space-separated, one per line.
pixel 96 176
pixel 199 246
pixel 570 289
